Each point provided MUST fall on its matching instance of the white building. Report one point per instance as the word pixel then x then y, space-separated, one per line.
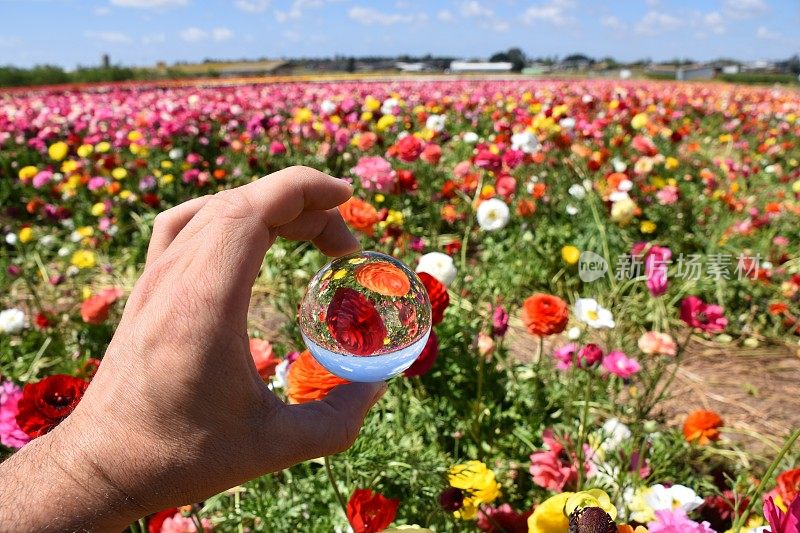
pixel 480 66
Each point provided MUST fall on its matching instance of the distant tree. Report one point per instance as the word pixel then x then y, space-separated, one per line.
pixel 515 56
pixel 575 58
pixel 351 64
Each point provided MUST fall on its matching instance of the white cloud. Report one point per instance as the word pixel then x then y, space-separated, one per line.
pixel 473 8
pixel 555 12
pixel 612 22
pixel 101 11
pixel 150 4
pixel 743 9
pixel 655 22
pixel 714 22
pixel 153 38
pixel 367 15
pixel 763 33
pixel 296 10
pixel 111 37
pixel 221 34
pixel 193 35
pixel 252 6
pixel 444 15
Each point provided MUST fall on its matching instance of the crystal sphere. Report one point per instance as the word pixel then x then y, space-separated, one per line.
pixel 365 317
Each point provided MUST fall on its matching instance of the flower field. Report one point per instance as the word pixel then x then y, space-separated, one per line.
pixel 609 224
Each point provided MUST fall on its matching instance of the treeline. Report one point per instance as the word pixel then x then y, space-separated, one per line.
pixel 53 75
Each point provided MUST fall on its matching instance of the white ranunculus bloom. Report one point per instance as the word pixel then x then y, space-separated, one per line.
pixel 567 123
pixel 388 105
pixel 573 333
pixel 625 185
pixel 618 164
pixel 327 107
pixel 12 320
pixel 11 238
pixel 571 210
pixel 661 498
pixel 435 122
pixel 175 153
pixel 615 433
pixel 577 191
pixel 618 196
pixel 438 265
pixel 493 214
pixel 525 141
pixel 470 137
pixel 593 314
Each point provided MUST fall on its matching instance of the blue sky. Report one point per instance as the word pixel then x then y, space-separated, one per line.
pixel 142 32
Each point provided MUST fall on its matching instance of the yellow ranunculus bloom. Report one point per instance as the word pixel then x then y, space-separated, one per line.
pixel 570 254
pixel 622 211
pixel 124 194
pixel 385 121
pixel 647 226
pixel 69 166
pixel 366 116
pixel 302 115
pixel 671 163
pixel 549 516
pixel 395 218
pixel 166 179
pixel 58 151
pixel 479 486
pixel 25 235
pixel 26 173
pixel 84 259
pixel 379 198
pixel 796 186
pixel 487 190
pixel 371 103
pixel 119 173
pixel 134 136
pixel 102 147
pixel 590 498
pixel 85 150
pixel 639 121
pixel 98 209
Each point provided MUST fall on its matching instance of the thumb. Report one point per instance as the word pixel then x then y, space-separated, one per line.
pixel 329 426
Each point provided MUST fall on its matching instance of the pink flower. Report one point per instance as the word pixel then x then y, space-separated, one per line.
pixel 548 468
pixel 621 365
pixel 96 182
pixel 655 269
pixel 506 185
pixel 10 433
pixel 780 522
pixel 499 321
pixel 644 145
pixel 502 519
pixel 42 178
pixel 667 195
pixel 589 355
pixel 488 160
pixel 431 153
pixel 677 521
pixel 657 343
pixel 513 158
pixel 565 355
pixel 375 173
pixel 184 524
pixel 277 148
pixel 698 314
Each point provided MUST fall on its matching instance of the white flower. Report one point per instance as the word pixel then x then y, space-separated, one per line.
pixel 175 153
pixel 567 123
pixel 470 137
pixel 279 381
pixel 577 191
pixel 661 498
pixel 619 165
pixel 571 210
pixel 327 107
pixel 435 122
pixel 625 185
pixel 525 141
pixel 493 214
pixel 438 265
pixel 618 196
pixel 12 320
pixel 615 434
pixel 388 105
pixel 11 238
pixel 593 314
pixel 47 241
pixel 63 251
pixel 573 333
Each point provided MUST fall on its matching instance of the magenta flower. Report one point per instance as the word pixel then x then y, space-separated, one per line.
pixel 655 269
pixel 621 365
pixel 565 355
pixel 780 522
pixel 590 355
pixel 677 521
pixel 10 433
pixel 698 314
pixel 375 173
pixel 499 321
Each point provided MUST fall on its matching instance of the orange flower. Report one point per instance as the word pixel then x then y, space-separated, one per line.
pixel 789 485
pixel 308 380
pixel 702 427
pixel 360 215
pixel 383 278
pixel 545 314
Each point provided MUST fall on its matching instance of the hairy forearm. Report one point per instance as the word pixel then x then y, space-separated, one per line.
pixel 50 485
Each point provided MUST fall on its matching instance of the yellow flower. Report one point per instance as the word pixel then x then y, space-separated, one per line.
pixel 379 198
pixel 639 121
pixel 647 226
pixel 134 136
pixel 85 231
pixel 570 254
pixel 639 510
pixel 366 116
pixel 385 121
pixel 339 274
pixel 125 194
pixel 85 150
pixel 166 179
pixel 487 190
pixel 371 103
pixel 478 484
pixel 549 516
pixel 102 147
pixel 671 163
pixel 26 173
pixel 302 115
pixel 98 209
pixel 590 498
pixel 725 138
pixel 394 218
pixel 25 235
pixel 119 173
pixel 58 151
pixel 84 259
pixel 623 210
pixel 69 166
pixel 796 186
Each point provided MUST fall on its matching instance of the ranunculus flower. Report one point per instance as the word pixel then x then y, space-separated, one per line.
pixel 407 149
pixel 425 360
pixel 431 154
pixel 780 522
pixel 438 296
pixel 525 141
pixel 657 343
pixel 565 355
pixel 644 145
pixel 676 521
pixel 621 365
pixel 502 519
pixel 656 262
pixel 487 160
pixel 549 517
pixel 95 309
pixel 370 512
pixel 499 321
pixel 788 484
pixel 308 380
pixel 702 427
pixel 263 357
pixel 46 403
pixel 383 278
pixel 551 468
pixel 375 173
pixel 589 355
pixel 12 320
pixel 438 265
pixel 11 435
pixel 545 314
pixel 698 314
pixel 360 215
pixel 477 482
pixel 588 311
pixel 493 214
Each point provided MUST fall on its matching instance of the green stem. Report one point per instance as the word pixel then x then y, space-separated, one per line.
pixel 584 422
pixel 332 479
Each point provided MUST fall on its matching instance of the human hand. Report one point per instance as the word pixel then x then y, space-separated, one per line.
pixel 177 411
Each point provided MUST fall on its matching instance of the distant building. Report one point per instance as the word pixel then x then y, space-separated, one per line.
pixel 696 72
pixel 412 67
pixel 480 66
pixel 242 68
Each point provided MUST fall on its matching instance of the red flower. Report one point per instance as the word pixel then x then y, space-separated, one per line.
pixel 437 294
pixel 45 404
pixel 308 380
pixel 431 154
pixel 155 521
pixel 488 160
pixel 502 519
pixel 263 357
pixel 406 180
pixel 370 512
pixel 42 321
pixel 426 358
pixel 408 149
pixel 698 314
pixel 789 485
pixel 545 314
pixel 355 323
pixel 94 310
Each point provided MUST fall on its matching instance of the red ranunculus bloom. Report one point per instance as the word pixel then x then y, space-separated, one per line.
pixel 45 404
pixel 437 294
pixel 424 362
pixel 156 520
pixel 545 314
pixel 698 314
pixel 408 149
pixel 789 485
pixel 370 512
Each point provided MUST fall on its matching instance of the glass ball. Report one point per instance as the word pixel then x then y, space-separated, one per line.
pixel 365 317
